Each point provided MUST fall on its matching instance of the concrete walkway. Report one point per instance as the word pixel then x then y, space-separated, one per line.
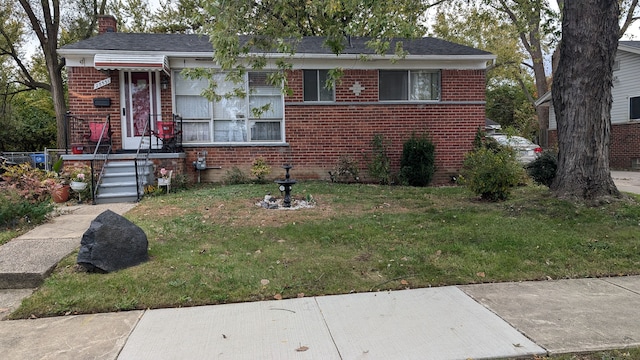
pixel 485 321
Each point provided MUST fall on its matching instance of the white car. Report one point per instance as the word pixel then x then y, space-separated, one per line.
pixel 526 151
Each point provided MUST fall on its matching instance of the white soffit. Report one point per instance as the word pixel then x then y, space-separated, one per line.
pixel 131 62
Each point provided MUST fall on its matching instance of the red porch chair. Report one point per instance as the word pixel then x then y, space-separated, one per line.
pixel 167 133
pixel 99 136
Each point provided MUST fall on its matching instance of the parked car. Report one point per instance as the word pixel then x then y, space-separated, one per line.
pixel 526 151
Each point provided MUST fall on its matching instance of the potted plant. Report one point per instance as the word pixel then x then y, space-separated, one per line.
pixel 56 183
pixel 58 189
pixel 164 180
pixel 79 177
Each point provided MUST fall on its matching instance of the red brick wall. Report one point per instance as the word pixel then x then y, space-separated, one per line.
pixel 81 95
pixel 625 144
pixel 318 134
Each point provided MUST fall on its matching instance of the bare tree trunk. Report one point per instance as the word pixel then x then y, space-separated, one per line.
pixel 582 99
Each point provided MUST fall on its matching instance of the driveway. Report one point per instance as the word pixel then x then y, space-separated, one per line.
pixel 627 181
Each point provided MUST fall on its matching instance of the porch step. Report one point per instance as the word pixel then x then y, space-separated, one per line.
pixel 118 183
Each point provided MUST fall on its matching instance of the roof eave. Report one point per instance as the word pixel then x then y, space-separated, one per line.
pixel 627 48
pixel 86 52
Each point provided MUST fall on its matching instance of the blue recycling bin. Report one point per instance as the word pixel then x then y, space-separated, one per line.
pixel 39 160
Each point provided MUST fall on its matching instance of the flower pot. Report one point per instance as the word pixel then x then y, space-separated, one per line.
pixel 78 185
pixel 60 194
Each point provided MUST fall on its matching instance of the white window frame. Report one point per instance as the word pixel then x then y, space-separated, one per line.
pixel 438 74
pixel 637 98
pixel 243 118
pixel 320 85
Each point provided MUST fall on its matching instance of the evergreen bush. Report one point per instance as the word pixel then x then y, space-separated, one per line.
pixel 417 164
pixel 543 169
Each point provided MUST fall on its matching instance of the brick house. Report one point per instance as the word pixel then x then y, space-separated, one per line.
pixel 625 109
pixel 438 89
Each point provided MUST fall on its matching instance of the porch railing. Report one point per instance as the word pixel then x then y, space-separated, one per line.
pixel 142 153
pixel 99 160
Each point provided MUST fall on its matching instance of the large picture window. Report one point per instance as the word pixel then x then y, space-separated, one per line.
pixel 409 85
pixel 258 117
pixel 315 88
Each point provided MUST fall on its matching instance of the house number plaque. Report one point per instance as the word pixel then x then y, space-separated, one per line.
pixel 102 83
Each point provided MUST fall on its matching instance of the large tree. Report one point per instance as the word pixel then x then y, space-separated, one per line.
pixel 270 25
pixel 43 19
pixel 582 98
pixel 510 84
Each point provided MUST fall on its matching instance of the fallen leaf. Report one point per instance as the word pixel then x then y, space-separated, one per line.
pixel 300 295
pixel 264 282
pixel 481 274
pixel 278 296
pixel 404 282
pixel 302 348
pixel 224 336
pixel 439 252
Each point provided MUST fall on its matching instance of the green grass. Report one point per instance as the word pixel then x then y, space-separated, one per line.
pixel 212 245
pixel 619 354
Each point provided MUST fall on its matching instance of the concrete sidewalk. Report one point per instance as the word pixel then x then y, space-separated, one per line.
pixel 456 322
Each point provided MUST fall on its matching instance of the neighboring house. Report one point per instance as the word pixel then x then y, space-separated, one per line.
pixel 625 108
pixel 437 90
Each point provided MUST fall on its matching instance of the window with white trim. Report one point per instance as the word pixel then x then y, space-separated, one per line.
pixel 315 86
pixel 258 117
pixel 634 108
pixel 409 85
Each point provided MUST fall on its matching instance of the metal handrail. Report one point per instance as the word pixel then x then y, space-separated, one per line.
pixel 105 157
pixel 139 180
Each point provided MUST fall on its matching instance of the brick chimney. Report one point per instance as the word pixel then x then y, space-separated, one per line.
pixel 106 23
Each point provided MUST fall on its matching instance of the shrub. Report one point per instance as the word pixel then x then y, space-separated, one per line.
pixel 16 210
pixel 491 174
pixel 345 170
pixel 417 164
pixel 32 184
pixel 235 176
pixel 543 169
pixel 380 165
pixel 260 169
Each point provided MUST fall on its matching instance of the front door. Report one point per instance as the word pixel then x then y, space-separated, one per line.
pixel 141 102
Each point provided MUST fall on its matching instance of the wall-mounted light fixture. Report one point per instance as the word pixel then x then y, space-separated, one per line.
pixel 164 81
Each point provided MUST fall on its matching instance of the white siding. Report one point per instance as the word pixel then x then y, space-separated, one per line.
pixel 626 84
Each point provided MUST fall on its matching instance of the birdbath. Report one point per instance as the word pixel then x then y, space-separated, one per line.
pixel 285 185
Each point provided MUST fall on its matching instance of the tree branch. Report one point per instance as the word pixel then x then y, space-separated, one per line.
pixel 629 19
pixel 35 24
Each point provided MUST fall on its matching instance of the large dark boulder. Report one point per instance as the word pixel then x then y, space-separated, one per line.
pixel 112 243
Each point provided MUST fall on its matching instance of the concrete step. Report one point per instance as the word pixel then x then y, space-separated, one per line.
pixel 118 183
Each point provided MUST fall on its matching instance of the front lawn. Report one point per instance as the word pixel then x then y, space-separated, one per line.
pixel 213 245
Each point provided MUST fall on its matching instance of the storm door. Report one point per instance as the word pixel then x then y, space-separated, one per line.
pixel 141 101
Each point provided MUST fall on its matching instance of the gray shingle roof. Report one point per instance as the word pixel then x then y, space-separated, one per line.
pixel 635 44
pixel 186 43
